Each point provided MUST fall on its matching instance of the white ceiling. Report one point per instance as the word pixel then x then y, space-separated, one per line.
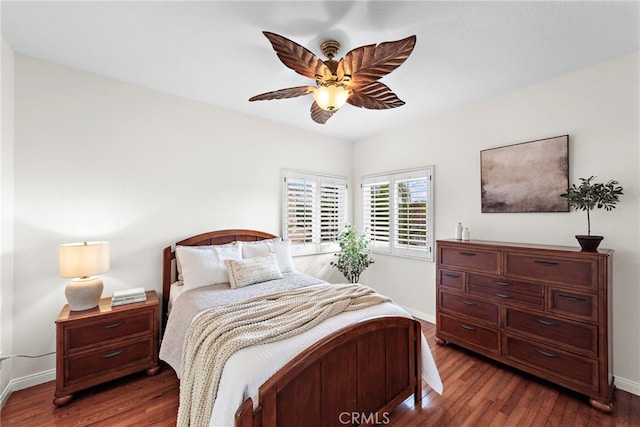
pixel 214 51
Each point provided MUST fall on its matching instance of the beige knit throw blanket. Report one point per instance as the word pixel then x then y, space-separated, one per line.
pixel 217 333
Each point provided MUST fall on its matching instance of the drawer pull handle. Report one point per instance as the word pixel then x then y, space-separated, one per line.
pixel 500 283
pixel 546 263
pixel 573 299
pixel 504 296
pixel 467 302
pixel 453 276
pixel 115 353
pixel 547 322
pixel 467 327
pixel 468 253
pixel 546 353
pixel 111 326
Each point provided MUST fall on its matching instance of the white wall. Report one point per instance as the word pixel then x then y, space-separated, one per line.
pixel 100 159
pixel 6 216
pixel 598 108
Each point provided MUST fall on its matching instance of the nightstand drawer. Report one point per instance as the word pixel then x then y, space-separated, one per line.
pixel 564 271
pixel 108 328
pixel 487 261
pixel 110 358
pixel 465 305
pixel 562 333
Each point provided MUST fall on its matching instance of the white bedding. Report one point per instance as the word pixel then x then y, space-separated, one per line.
pixel 250 367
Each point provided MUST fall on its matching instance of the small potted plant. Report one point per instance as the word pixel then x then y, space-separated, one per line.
pixel 588 196
pixel 355 255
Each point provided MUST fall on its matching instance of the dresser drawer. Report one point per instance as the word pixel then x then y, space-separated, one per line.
pixel 483 260
pixel 451 279
pixel 564 271
pixel 134 354
pixel 503 284
pixel 469 334
pixel 115 326
pixel 563 367
pixel 473 307
pixel 573 304
pixel 507 297
pixel 566 334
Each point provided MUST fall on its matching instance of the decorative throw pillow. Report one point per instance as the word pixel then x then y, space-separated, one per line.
pixel 205 266
pixel 281 248
pixel 252 270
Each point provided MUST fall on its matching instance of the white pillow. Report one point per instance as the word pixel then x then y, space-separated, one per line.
pixel 179 264
pixel 252 270
pixel 205 266
pixel 281 248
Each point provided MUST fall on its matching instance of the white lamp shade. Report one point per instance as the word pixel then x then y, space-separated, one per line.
pixel 84 259
pixel 330 97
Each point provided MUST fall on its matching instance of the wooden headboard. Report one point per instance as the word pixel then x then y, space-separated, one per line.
pixel 220 237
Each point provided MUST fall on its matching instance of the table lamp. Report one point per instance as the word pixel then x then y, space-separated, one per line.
pixel 82 261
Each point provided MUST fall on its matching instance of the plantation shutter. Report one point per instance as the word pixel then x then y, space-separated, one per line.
pixel 398 212
pixel 315 211
pixel 377 212
pixel 411 203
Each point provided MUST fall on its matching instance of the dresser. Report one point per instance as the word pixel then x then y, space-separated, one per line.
pixel 542 309
pixel 104 343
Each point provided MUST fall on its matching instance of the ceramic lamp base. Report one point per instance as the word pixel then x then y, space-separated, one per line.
pixel 83 293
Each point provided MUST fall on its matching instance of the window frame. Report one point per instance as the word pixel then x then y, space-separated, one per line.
pixel 391 203
pixel 319 232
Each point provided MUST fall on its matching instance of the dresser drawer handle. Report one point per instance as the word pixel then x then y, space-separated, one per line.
pixel 500 283
pixel 546 263
pixel 468 253
pixel 467 302
pixel 546 353
pixel 111 326
pixel 467 327
pixel 573 299
pixel 547 322
pixel 504 296
pixel 453 276
pixel 113 354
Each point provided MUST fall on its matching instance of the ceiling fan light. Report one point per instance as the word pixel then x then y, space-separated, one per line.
pixel 330 97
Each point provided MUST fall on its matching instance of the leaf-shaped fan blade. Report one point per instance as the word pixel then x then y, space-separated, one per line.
pixel 297 57
pixel 374 96
pixel 319 115
pixel 291 92
pixel 367 64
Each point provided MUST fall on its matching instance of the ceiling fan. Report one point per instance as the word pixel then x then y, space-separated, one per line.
pixel 352 79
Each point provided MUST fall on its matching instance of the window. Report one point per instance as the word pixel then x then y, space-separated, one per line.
pixel 314 211
pixel 398 212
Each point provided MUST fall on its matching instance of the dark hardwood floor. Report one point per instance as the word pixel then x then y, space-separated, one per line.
pixel 477 392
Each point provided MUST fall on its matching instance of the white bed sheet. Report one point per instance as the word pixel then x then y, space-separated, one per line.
pixel 247 369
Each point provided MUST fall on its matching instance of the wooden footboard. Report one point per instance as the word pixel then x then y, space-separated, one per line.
pixel 357 375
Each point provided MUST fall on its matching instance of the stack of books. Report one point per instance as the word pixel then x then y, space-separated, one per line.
pixel 128 296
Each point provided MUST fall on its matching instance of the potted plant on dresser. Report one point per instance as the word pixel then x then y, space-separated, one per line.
pixel 588 196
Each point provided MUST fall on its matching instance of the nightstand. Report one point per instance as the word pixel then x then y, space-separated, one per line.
pixel 104 343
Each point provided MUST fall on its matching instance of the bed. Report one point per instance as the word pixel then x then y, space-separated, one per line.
pixel 352 367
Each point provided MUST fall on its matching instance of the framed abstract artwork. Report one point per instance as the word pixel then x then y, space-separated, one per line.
pixel 526 177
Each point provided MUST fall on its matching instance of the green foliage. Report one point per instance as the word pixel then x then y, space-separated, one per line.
pixel 588 196
pixel 355 256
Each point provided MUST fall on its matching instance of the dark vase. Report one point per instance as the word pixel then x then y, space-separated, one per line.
pixel 589 243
